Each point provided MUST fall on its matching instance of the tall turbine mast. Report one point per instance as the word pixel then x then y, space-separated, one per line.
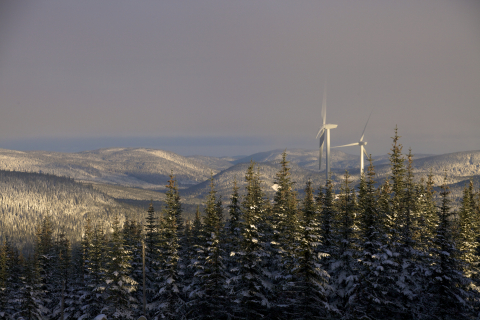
pixel 324 134
pixel 362 145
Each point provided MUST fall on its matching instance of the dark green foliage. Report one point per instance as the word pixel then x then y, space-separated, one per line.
pixel 309 284
pixel 31 293
pixel 373 296
pixel 4 293
pixel 388 253
pixel 250 281
pixel 168 302
pixel 448 298
pixel 234 225
pixel 328 216
pixel 468 233
pixel 208 297
pixel 119 284
pixel 344 267
pixel 428 219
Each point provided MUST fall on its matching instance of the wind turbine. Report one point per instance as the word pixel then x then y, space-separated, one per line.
pixel 324 134
pixel 362 145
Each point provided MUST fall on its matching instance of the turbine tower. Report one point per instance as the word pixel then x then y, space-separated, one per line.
pixel 362 145
pixel 324 134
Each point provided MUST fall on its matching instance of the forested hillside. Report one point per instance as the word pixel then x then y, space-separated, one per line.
pixel 27 198
pixel 374 251
pixel 225 179
pixel 131 167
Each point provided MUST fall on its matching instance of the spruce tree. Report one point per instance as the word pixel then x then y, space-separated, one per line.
pixel 373 296
pixel 168 302
pixel 250 286
pixel 66 296
pixel 31 293
pixel 152 255
pixel 410 279
pixel 93 297
pixel 281 237
pixel 233 227
pixel 119 285
pixel 468 233
pixel 448 298
pixel 15 281
pixel 309 282
pixel 344 266
pixel 133 237
pixel 4 292
pixel 45 262
pixel 328 217
pixel 208 300
pixel 284 211
pixel 397 203
pixel 428 219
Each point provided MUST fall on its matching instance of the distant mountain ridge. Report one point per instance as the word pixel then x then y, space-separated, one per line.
pixel 146 168
pixel 132 167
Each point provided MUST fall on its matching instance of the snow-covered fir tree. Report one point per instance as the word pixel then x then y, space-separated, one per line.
pixel 169 302
pixel 280 238
pixel 208 298
pixel 152 252
pixel 344 267
pixel 372 297
pixel 120 301
pixel 133 237
pixel 233 228
pixel 448 298
pixel 93 293
pixel 468 232
pixel 328 218
pixel 250 285
pixel 31 294
pixel 309 287
pixel 4 313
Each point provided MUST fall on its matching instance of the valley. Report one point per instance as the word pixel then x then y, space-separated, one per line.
pixel 99 183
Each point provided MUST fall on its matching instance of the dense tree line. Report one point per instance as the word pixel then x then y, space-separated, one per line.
pixel 26 198
pixel 373 251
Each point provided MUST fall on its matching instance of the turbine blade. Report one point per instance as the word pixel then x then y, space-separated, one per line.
pixel 322 140
pixel 324 105
pixel 363 133
pixel 347 145
pixel 320 132
pixel 365 151
pixel 320 159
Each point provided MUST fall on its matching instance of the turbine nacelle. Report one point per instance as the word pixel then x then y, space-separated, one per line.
pixel 330 126
pixel 325 127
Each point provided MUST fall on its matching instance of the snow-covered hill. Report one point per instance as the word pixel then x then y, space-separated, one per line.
pixel 132 167
pixel 25 198
pixel 144 168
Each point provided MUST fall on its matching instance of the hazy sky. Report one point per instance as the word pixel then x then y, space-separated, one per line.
pixel 237 77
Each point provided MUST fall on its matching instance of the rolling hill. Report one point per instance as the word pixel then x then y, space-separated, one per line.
pixel 25 198
pixel 132 167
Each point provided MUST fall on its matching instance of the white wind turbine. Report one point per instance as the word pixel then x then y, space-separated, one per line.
pixel 362 145
pixel 324 134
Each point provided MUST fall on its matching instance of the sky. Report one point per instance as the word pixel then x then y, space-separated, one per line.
pixel 225 78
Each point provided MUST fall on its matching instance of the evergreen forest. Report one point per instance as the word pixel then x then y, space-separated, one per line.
pixel 389 250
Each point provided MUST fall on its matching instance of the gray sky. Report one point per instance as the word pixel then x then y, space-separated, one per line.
pixel 237 77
